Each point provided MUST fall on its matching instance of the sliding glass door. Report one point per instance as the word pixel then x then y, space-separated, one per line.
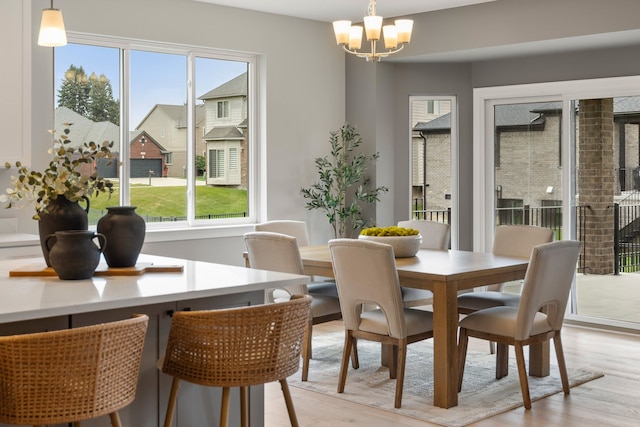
pixel 566 156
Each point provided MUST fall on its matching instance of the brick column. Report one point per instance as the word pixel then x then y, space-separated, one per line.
pixel 596 181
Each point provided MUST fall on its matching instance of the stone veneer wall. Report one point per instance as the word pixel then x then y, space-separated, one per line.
pixel 596 181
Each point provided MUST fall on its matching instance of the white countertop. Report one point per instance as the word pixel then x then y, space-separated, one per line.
pixel 25 298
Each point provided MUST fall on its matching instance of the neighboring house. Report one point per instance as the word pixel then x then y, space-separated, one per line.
pixel 221 130
pixel 518 126
pixel 226 133
pixel 147 158
pixel 167 126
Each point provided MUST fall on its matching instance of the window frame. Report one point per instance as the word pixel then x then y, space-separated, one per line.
pixel 254 159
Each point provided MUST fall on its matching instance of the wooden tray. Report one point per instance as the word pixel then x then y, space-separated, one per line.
pixel 41 270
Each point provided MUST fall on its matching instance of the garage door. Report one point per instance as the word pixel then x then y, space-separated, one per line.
pixel 140 167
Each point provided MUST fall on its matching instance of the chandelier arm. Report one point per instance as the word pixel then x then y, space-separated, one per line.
pixel 391 52
pixel 372 54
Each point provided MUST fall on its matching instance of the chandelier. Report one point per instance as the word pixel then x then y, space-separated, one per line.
pixel 395 36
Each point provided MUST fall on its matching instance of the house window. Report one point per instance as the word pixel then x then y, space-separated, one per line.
pixel 167 116
pixel 223 109
pixel 216 164
pixel 233 159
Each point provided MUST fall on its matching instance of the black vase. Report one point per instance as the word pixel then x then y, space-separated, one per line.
pixel 125 231
pixel 74 254
pixel 61 215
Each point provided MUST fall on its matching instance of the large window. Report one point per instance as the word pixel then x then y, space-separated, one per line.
pixel 433 145
pixel 178 116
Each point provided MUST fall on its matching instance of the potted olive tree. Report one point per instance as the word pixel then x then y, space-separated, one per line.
pixel 343 186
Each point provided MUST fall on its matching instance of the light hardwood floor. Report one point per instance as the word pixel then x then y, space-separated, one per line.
pixel 608 401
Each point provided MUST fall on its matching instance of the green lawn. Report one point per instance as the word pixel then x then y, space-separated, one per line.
pixel 172 201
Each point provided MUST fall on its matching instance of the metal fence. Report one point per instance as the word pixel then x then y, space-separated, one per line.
pixel 626 227
pixel 441 215
pixel 151 219
pixel 626 245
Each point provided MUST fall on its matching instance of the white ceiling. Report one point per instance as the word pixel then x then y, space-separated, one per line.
pixel 332 10
pixel 355 10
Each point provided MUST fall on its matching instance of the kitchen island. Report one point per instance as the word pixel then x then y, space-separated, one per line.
pixel 40 302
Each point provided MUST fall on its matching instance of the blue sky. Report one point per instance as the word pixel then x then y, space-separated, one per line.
pixel 156 78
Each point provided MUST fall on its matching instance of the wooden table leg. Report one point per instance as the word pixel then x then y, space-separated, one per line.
pixel 502 360
pixel 445 349
pixel 539 359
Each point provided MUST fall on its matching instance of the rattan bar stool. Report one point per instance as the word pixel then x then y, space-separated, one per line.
pixel 70 375
pixel 237 347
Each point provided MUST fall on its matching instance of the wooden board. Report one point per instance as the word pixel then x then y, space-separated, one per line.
pixel 41 270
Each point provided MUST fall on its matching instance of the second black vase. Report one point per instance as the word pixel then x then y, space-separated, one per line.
pixel 125 232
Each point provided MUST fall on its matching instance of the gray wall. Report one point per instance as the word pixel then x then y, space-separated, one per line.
pixel 311 89
pixel 303 93
pixel 488 29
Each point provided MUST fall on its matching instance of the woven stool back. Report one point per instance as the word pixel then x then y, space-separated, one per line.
pixel 70 375
pixel 239 346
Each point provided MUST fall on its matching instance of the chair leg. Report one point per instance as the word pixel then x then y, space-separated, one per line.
pixel 346 352
pixel 309 339
pixel 171 406
pixel 463 341
pixel 522 373
pixel 355 363
pixel 244 406
pixel 224 408
pixel 306 351
pixel 562 365
pixel 393 363
pixel 115 419
pixel 492 347
pixel 287 399
pixel 502 361
pixel 400 364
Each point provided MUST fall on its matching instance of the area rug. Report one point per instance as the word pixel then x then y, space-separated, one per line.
pixel 482 396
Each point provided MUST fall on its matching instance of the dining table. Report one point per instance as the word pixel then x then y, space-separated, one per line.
pixel 445 273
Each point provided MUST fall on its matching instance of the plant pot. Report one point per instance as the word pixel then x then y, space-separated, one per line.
pixel 125 232
pixel 61 215
pixel 403 246
pixel 74 254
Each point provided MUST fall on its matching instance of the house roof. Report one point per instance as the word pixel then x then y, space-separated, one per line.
pixel 223 133
pixel 234 87
pixel 84 130
pixel 507 115
pixel 177 113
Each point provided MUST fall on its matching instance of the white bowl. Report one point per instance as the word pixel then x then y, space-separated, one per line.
pixel 403 246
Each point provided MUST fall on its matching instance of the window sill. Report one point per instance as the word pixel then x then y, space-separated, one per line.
pixel 195 233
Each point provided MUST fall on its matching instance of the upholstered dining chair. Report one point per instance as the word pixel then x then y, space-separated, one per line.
pixel 435 235
pixel 279 252
pixel 515 241
pixel 366 273
pixel 71 375
pixel 298 229
pixel 236 347
pixel 547 283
